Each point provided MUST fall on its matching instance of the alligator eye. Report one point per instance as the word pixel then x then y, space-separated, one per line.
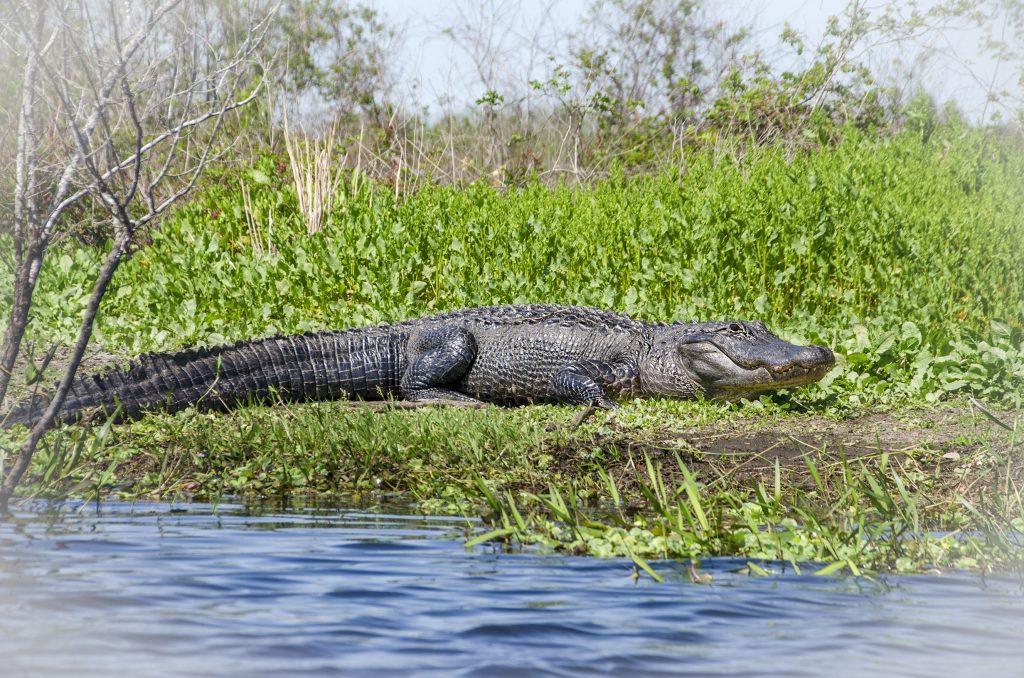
pixel 735 327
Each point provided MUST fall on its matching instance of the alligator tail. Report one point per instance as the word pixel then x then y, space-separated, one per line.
pixel 26 412
pixel 320 366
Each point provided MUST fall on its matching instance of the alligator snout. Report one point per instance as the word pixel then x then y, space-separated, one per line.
pixel 806 359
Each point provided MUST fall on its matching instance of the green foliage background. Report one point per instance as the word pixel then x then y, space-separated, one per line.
pixel 901 253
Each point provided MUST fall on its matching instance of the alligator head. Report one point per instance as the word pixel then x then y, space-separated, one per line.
pixel 727 360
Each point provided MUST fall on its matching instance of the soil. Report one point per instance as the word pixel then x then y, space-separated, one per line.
pixel 947 438
pixel 948 430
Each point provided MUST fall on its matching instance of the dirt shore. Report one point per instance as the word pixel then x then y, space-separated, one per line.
pixel 954 443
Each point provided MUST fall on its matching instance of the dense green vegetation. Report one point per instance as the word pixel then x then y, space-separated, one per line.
pixel 901 253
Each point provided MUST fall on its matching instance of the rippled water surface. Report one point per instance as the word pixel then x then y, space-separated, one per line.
pixel 153 589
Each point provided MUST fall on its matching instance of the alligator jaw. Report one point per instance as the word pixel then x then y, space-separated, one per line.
pixel 808 365
pixel 734 364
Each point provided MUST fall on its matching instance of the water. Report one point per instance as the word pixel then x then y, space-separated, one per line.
pixel 150 589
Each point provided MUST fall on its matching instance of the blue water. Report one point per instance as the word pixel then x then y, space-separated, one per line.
pixel 151 589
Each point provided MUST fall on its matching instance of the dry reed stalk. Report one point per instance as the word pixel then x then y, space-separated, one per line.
pixel 316 182
pixel 260 245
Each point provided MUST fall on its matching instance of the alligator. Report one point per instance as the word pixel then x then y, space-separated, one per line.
pixel 508 355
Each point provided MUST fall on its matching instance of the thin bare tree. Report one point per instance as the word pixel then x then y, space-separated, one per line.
pixel 122 106
pixel 505 47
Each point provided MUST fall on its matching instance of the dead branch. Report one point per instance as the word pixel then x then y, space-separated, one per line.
pixel 107 111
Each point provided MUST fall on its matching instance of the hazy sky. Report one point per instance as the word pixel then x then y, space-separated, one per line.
pixel 434 70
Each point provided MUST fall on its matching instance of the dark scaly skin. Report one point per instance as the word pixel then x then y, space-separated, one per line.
pixel 510 355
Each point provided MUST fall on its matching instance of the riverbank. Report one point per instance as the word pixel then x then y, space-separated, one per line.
pixel 867 490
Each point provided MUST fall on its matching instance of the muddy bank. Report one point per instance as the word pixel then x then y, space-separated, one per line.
pixel 951 442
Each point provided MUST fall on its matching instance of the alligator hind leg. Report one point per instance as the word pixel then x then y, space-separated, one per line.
pixel 439 357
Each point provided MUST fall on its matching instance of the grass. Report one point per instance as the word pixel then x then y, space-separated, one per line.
pixel 859 517
pixel 900 254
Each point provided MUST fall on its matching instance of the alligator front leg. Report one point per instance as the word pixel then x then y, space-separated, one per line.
pixel 437 358
pixel 588 383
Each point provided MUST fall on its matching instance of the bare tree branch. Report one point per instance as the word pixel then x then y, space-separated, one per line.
pixel 108 110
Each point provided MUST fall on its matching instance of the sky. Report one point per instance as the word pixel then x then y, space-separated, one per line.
pixel 434 71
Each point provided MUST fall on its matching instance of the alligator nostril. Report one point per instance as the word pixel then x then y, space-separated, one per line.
pixel 812 357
